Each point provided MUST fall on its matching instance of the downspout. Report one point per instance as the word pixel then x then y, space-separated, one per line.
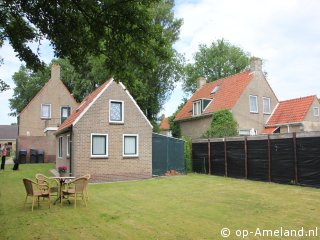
pixel 70 157
pixel 288 128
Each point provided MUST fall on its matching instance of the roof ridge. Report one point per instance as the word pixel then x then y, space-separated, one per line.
pixel 224 78
pixel 298 98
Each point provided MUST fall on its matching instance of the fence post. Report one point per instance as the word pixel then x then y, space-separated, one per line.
pixel 209 156
pixel 246 157
pixel 225 158
pixel 269 157
pixel 294 137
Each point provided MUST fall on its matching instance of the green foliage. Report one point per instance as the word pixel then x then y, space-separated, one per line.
pixel 187 153
pixel 219 60
pixel 131 41
pixel 3 85
pixel 222 125
pixel 156 127
pixel 175 126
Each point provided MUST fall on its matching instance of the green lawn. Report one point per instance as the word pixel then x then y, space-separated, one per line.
pixel 185 207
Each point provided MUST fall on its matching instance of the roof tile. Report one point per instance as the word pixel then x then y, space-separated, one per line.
pixel 83 105
pixel 164 125
pixel 291 111
pixel 226 97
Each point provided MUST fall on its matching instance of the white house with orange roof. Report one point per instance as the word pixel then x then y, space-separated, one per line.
pixel 165 127
pixel 295 115
pixel 247 95
pixel 107 136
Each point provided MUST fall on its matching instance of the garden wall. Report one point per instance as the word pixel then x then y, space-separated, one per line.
pixel 283 158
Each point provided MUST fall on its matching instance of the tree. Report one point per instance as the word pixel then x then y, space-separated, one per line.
pixel 219 60
pixel 131 39
pixel 222 125
pixel 174 126
pixel 28 84
pixel 3 85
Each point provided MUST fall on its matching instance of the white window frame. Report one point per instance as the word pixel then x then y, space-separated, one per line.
pixel 45 104
pixel 60 153
pixel 122 111
pixel 68 145
pixel 269 102
pixel 256 97
pixel 316 112
pixel 137 145
pixel 107 144
pixel 196 111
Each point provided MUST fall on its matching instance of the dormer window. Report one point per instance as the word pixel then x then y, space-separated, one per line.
pixel 199 106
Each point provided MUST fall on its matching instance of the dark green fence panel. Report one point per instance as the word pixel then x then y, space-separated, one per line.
pixel 167 154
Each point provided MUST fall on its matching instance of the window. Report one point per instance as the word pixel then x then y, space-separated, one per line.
pixel 64 114
pixel 253 104
pixel 216 88
pixel 45 110
pixel 116 111
pixel 99 145
pixel 60 148
pixel 196 108
pixel 68 145
pixel 266 105
pixel 130 145
pixel 316 111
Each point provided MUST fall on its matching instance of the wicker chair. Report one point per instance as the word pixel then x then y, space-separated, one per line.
pixel 76 188
pixel 36 190
pixel 53 183
pixel 88 176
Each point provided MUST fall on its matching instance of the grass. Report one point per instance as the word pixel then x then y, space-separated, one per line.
pixel 186 207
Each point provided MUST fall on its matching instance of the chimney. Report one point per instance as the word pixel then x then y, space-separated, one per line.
pixel 55 72
pixel 200 82
pixel 255 64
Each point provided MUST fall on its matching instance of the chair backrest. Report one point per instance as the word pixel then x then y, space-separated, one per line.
pixel 87 176
pixel 40 178
pixel 80 184
pixel 28 184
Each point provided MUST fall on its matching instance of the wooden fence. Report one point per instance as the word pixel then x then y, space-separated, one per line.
pixel 283 158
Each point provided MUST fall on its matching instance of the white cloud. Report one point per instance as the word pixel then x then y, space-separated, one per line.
pixel 285 34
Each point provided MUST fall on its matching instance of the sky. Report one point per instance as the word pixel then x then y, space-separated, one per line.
pixel 285 34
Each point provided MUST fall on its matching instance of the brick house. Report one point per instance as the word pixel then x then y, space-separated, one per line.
pixel 43 115
pixel 108 136
pixel 247 95
pixel 295 115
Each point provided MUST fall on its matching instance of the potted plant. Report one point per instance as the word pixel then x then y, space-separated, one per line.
pixel 62 171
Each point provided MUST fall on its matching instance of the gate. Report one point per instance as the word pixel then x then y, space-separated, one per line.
pixel 167 154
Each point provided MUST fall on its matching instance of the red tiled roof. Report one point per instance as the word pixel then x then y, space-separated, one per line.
pixel 226 97
pixel 164 125
pixel 269 130
pixel 83 105
pixel 291 111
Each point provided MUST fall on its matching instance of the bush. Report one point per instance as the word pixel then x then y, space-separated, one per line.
pixel 222 125
pixel 187 154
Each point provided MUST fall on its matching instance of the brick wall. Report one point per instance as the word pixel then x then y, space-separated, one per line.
pixel 38 142
pixel 115 166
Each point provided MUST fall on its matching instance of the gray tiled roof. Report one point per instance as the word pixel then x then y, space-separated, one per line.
pixel 8 132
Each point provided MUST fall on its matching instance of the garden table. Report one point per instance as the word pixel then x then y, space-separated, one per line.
pixel 62 180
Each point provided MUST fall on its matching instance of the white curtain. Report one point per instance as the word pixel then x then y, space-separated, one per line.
pixel 99 145
pixel 130 143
